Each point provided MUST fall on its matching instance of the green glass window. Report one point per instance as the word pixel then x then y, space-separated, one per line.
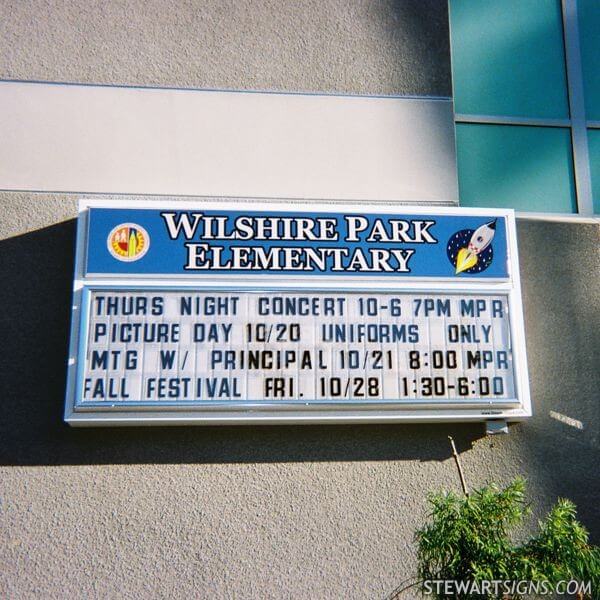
pixel 589 35
pixel 594 146
pixel 513 166
pixel 508 58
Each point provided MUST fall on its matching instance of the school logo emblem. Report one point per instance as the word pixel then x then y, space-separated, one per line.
pixel 128 242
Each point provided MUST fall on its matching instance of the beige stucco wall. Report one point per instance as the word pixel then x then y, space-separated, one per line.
pixel 253 512
pixel 261 512
pixel 385 47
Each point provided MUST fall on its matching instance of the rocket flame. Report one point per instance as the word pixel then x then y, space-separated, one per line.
pixel 465 260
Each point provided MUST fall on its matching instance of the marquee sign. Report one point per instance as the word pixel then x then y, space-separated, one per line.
pixel 205 312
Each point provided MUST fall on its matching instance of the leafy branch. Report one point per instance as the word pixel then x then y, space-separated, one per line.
pixel 468 539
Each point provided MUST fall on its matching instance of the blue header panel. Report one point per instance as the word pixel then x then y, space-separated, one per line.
pixel 220 242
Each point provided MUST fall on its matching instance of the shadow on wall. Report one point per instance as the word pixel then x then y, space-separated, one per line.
pixel 425 25
pixel 560 264
pixel 36 270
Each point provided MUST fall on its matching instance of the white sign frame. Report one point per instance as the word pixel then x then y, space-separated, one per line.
pixel 515 409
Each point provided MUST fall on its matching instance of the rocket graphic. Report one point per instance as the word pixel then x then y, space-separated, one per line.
pixel 482 237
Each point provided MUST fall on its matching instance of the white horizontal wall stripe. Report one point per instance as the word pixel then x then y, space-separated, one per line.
pixel 216 143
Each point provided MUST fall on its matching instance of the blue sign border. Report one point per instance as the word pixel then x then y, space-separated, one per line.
pixel 422 257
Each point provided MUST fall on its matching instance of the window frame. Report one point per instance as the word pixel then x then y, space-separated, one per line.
pixel 577 123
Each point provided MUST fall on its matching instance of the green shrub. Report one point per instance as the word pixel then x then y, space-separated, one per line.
pixel 468 539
